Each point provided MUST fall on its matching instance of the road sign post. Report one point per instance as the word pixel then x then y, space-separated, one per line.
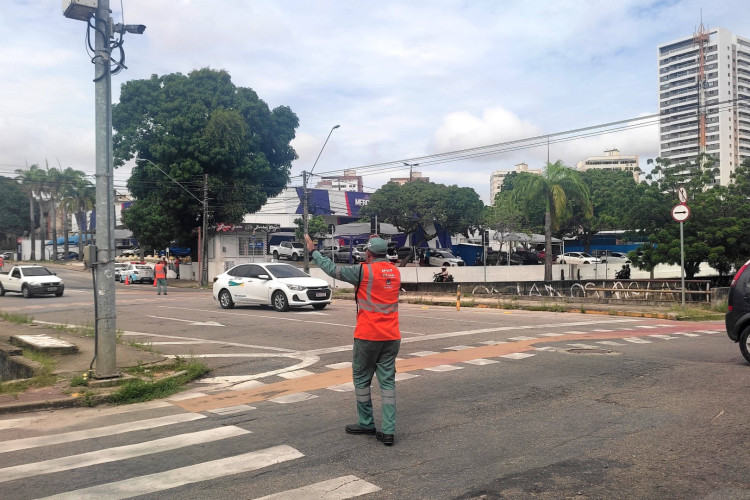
pixel 680 213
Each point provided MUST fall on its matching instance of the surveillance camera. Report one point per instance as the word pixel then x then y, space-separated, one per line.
pixel 138 29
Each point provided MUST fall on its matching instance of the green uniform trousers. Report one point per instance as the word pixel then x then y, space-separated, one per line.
pixel 379 358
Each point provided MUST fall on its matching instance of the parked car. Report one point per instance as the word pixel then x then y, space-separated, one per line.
pixel 403 252
pixel 444 258
pixel 348 254
pixel 70 256
pixel 542 254
pixel 131 252
pixel 737 318
pixel 292 250
pixel 527 257
pixel 611 257
pixel 7 255
pixel 141 273
pixel 119 267
pixel 578 258
pixel 282 286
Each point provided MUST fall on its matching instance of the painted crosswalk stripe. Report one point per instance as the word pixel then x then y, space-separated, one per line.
pixel 583 346
pixel 493 342
pixel 574 332
pixel 68 437
pixel 405 376
pixel 339 366
pixel 646 326
pixel 423 353
pixel 232 410
pixel 636 340
pixel 551 334
pixel 444 368
pixel 602 330
pixel 686 334
pixel 664 337
pixel 609 342
pixel 458 348
pixel 119 453
pixel 709 332
pixel 293 398
pixel 347 387
pixel 191 474
pixel 517 355
pixel 522 338
pixel 340 488
pixel 481 361
pixel 295 374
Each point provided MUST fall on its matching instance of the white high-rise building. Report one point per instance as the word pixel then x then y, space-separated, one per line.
pixel 498 176
pixel 704 99
pixel 612 160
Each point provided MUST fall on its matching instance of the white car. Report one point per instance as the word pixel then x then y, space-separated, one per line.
pixel 614 258
pixel 141 273
pixel 445 258
pixel 578 258
pixel 119 268
pixel 282 286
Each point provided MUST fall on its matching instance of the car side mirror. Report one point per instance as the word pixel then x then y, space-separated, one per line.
pixel 264 277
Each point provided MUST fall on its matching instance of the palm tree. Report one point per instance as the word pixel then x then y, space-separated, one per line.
pixel 560 187
pixel 84 201
pixel 68 200
pixel 30 184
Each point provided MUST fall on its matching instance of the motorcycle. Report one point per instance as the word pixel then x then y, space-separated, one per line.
pixel 624 273
pixel 439 278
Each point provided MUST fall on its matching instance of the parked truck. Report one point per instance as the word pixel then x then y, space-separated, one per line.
pixel 287 250
pixel 30 281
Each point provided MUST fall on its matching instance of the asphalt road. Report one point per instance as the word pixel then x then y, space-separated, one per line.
pixel 491 404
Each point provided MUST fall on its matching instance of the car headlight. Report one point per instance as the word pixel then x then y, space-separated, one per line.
pixel 34 283
pixel 296 288
pixel 61 283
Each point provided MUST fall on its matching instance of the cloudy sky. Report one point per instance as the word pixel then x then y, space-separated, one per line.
pixel 404 79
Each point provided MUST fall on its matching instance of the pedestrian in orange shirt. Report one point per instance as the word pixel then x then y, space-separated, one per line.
pixel 160 271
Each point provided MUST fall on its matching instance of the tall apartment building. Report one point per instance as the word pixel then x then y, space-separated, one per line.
pixel 350 181
pixel 612 160
pixel 704 99
pixel 498 176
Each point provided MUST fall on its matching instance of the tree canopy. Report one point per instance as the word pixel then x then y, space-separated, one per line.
pixel 14 208
pixel 195 125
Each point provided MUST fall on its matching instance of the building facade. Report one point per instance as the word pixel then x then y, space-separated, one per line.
pixel 413 176
pixel 350 181
pixel 612 160
pixel 498 176
pixel 704 99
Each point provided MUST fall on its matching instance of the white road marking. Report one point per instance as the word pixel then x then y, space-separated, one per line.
pixel 444 368
pixel 522 338
pixel 232 410
pixel 493 342
pixel 517 355
pixel 602 330
pixel 192 323
pixel 347 387
pixel 119 453
pixel 191 474
pixel 295 374
pixel 293 398
pixel 551 334
pixel 664 337
pixel 186 395
pixel 686 334
pixel 609 342
pixel 583 346
pixel 339 366
pixel 183 342
pixel 709 332
pixel 340 488
pixel 422 353
pixel 250 384
pixel 68 437
pixel 405 376
pixel 636 340
pixel 458 348
pixel 646 326
pixel 574 332
pixel 481 361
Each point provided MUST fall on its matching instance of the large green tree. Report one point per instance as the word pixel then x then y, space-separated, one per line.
pixel 419 207
pixel 14 218
pixel 562 190
pixel 190 126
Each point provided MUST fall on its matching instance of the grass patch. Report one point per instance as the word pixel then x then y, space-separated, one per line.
pixel 43 379
pixel 86 330
pixel 79 381
pixel 693 313
pixel 137 391
pixel 144 347
pixel 16 317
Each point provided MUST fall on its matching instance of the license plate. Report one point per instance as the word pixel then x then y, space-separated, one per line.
pixel 320 294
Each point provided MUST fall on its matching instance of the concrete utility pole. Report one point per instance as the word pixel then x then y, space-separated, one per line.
pixel 204 257
pixel 106 311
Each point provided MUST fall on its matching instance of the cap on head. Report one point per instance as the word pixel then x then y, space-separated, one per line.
pixel 377 246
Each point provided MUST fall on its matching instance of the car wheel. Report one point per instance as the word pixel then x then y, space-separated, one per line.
pixel 225 299
pixel 2 290
pixel 26 292
pixel 280 302
pixel 744 341
pixel 586 262
pixel 276 255
pixel 58 294
pixel 319 306
pixel 295 257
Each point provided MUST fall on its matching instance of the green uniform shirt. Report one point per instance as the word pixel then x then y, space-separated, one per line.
pixel 351 274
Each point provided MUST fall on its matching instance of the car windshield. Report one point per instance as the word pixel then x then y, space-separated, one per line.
pixel 36 271
pixel 297 245
pixel 584 254
pixel 286 271
pixel 447 255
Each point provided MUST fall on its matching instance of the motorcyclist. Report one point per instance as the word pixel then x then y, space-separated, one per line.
pixel 624 273
pixel 443 276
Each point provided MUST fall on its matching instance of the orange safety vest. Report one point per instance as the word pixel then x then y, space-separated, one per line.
pixel 160 270
pixel 377 302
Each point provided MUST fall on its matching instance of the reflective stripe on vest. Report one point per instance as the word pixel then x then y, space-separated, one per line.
pixel 377 299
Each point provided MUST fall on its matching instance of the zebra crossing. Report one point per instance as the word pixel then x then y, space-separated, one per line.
pixel 84 459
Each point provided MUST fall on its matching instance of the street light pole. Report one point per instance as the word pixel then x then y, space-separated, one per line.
pixel 306 197
pixel 411 169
